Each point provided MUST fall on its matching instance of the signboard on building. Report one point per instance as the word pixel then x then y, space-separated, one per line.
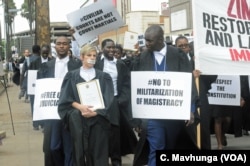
pixel 179 20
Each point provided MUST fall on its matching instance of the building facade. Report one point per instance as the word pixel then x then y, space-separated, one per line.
pixel 180 18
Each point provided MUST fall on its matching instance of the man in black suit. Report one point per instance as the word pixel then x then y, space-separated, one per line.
pixel 35 65
pixel 23 79
pixel 161 134
pixel 57 144
pixel 119 73
pixel 204 85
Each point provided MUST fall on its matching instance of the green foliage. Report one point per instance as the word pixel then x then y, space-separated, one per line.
pixel 10 17
pixel 28 12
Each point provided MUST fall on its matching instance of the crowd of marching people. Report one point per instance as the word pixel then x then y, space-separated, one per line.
pixel 90 136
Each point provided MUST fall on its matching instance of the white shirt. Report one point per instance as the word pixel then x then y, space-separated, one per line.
pixel 110 68
pixel 28 61
pixel 87 74
pixel 159 55
pixel 44 60
pixel 188 55
pixel 61 67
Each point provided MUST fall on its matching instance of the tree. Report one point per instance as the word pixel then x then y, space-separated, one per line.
pixel 28 12
pixel 9 18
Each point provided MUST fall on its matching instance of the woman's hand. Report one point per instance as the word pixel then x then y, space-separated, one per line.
pixel 86 111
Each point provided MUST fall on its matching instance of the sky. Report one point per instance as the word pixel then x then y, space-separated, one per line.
pixel 60 8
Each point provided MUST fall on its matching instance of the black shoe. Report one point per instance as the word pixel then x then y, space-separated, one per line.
pixel 116 163
pixel 224 140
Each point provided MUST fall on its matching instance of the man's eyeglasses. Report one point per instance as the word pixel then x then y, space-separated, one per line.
pixel 183 46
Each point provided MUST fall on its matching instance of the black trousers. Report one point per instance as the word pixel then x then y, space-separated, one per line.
pixel 115 144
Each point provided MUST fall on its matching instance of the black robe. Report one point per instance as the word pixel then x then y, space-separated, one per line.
pixel 121 112
pixel 89 135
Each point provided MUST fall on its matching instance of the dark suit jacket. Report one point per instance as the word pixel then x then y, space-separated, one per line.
pixel 123 87
pixel 47 70
pixel 24 78
pixel 120 112
pixel 177 61
pixel 35 65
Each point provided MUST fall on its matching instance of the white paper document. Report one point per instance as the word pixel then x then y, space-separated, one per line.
pixel 90 94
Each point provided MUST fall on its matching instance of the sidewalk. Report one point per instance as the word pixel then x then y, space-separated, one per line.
pixel 25 147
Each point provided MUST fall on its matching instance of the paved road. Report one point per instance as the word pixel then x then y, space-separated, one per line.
pixel 25 147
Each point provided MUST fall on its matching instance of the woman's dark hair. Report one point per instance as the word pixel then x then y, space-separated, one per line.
pixel 118 46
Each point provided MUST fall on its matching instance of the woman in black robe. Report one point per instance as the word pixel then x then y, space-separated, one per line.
pixel 88 127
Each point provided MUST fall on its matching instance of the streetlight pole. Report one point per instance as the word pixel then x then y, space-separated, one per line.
pixel 7 38
pixel 13 34
pixel 8 28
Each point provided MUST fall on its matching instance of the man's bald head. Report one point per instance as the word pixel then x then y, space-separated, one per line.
pixel 154 37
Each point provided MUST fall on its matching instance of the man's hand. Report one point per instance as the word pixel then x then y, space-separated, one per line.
pixel 72 31
pixel 196 73
pixel 191 121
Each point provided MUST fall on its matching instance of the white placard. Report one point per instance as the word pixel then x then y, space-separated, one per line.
pixel 47 95
pixel 221 37
pixel 130 40
pixel 90 94
pixel 93 20
pixel 225 91
pixel 141 40
pixel 161 95
pixel 32 75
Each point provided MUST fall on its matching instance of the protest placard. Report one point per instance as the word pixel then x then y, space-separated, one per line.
pixel 225 91
pixel 141 40
pixel 46 98
pixel 130 41
pixel 95 19
pixel 161 95
pixel 221 37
